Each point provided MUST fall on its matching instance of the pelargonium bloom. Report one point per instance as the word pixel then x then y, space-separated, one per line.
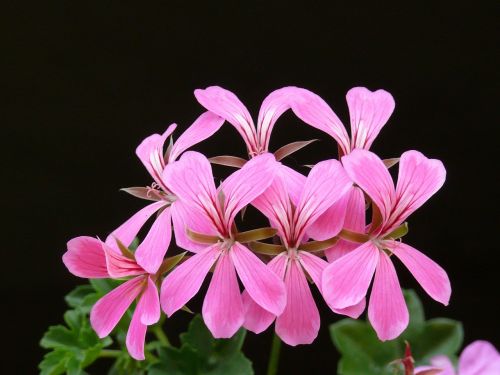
pixel 210 214
pixel 346 280
pixel 90 258
pixel 152 249
pixel 478 358
pixel 299 323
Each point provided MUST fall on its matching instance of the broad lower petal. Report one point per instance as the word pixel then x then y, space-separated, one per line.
pixel 353 311
pixel 227 105
pixel 129 229
pixel 150 304
pixel 136 336
pixel 314 111
pixel 314 266
pixel 150 253
pixel 185 280
pixel 119 265
pixel 299 323
pixel 85 258
pixel 428 273
pixel 346 280
pixel 262 284
pixel 222 307
pixel 369 112
pixel 479 358
pixel 330 222
pixel 204 127
pixel 387 310
pixel 107 312
pixel 326 183
pixel 247 183
pixel 369 172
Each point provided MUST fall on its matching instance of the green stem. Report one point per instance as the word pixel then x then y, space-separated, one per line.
pixel 274 357
pixel 109 353
pixel 158 331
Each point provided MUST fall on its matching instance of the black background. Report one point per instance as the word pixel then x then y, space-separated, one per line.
pixel 85 82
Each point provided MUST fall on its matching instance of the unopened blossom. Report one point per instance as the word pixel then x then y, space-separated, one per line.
pixel 90 258
pixel 345 282
pixel 152 249
pixel 299 323
pixel 478 358
pixel 210 214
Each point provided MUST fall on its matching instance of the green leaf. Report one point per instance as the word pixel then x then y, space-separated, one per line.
pixel 440 336
pixel 54 363
pixel 76 297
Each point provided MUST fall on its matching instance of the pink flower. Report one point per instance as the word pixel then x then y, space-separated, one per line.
pixel 210 213
pixel 346 280
pixel 299 323
pixel 152 249
pixel 90 258
pixel 478 358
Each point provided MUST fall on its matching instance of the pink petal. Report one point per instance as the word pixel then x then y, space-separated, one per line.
pixel 425 370
pixel 149 255
pixel 479 358
pixel 107 312
pixel 354 221
pixel 204 127
pixel 369 172
pixel 222 307
pixel 387 311
pixel 85 258
pixel 227 105
pixel 191 180
pixel 247 183
pixel 419 178
pixel 293 180
pixel 428 273
pixel 330 222
pixel 346 281
pixel 314 266
pixel 353 311
pixel 273 106
pixel 442 362
pixel 120 266
pixel 136 336
pixel 313 110
pixel 129 229
pixel 150 152
pixel 299 323
pixel 369 112
pixel 258 319
pixel 262 284
pixel 326 183
pixel 150 304
pixel 185 280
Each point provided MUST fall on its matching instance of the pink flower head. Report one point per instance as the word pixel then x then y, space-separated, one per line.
pixel 90 258
pixel 152 249
pixel 346 280
pixel 478 358
pixel 210 212
pixel 299 322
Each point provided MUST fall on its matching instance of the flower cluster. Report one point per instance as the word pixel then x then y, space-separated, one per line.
pixel 339 227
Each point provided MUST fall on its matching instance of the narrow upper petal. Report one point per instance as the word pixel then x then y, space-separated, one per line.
pixel 129 229
pixel 273 106
pixel 330 222
pixel 107 312
pixel 227 105
pixel 247 183
pixel 479 358
pixel 119 265
pixel 419 178
pixel 387 310
pixel 369 112
pixel 369 172
pixel 346 280
pixel 203 127
pixel 185 280
pixel 314 111
pixel 222 307
pixel 299 323
pixel 294 182
pixel 428 273
pixel 326 183
pixel 150 152
pixel 258 319
pixel 314 266
pixel 150 304
pixel 262 284
pixel 85 258
pixel 149 255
